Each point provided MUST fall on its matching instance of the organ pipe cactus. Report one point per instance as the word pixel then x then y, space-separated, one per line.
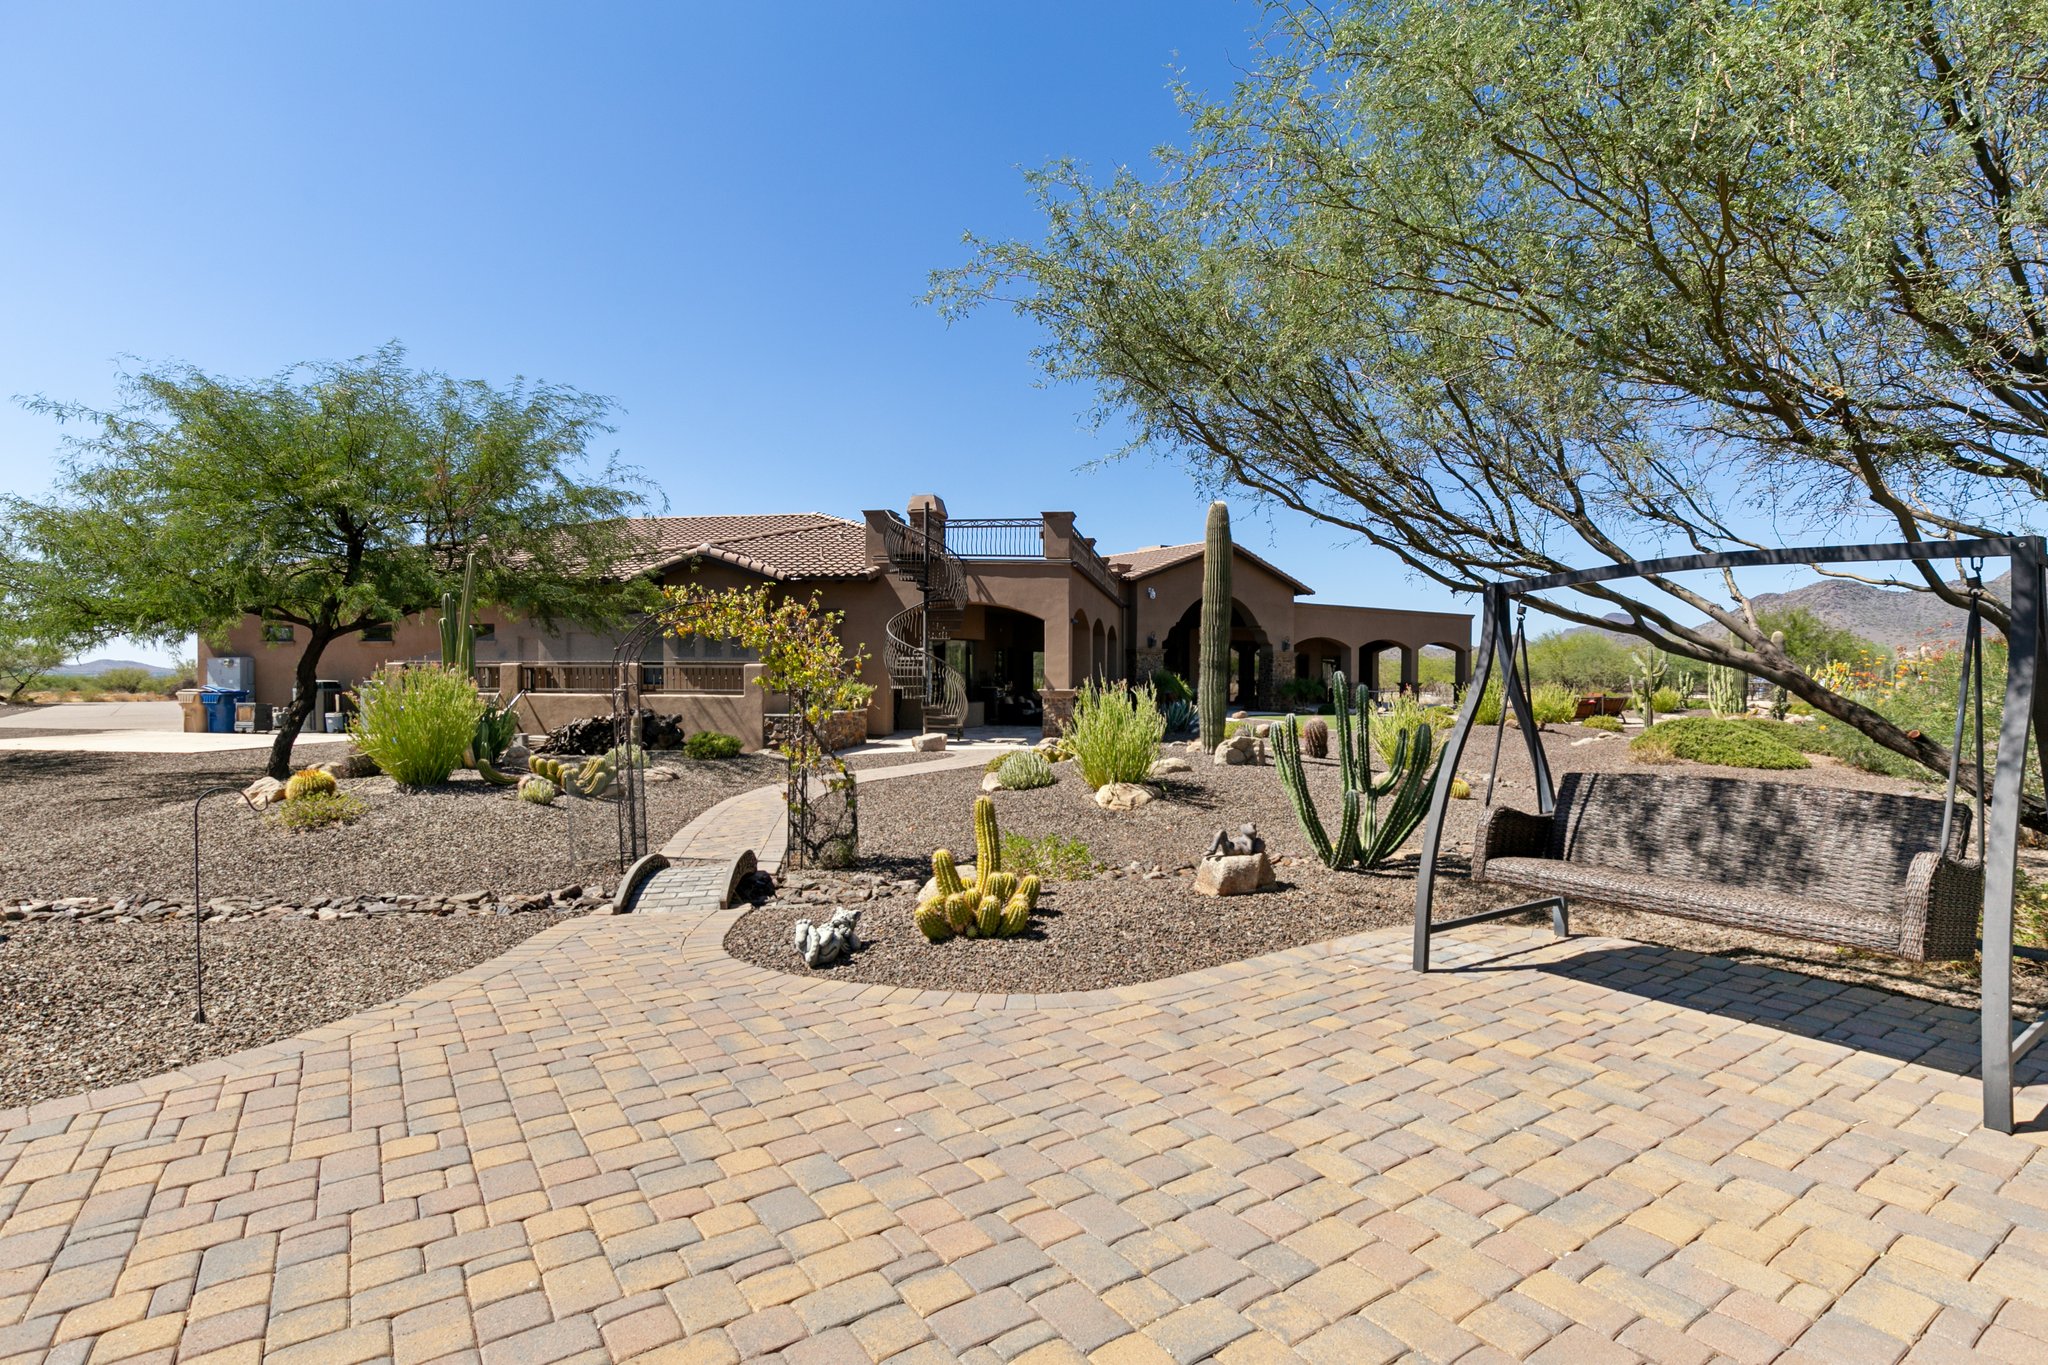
pixel 1377 813
pixel 1212 691
pixel 1727 690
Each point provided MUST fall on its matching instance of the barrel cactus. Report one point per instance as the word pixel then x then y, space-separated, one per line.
pixel 1315 738
pixel 310 782
pixel 536 789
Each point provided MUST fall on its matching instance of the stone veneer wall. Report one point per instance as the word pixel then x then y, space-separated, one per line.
pixel 1058 706
pixel 843 729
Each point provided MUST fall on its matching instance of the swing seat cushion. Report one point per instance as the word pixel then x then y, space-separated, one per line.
pixel 1858 868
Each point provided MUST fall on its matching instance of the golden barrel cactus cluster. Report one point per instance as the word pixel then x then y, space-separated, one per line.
pixel 995 904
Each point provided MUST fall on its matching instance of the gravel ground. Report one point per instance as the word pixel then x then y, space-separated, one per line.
pixel 85 1006
pixel 1136 921
pixel 80 824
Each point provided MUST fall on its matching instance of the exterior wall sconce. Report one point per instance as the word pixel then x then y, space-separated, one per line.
pixel 1151 642
pixel 1152 593
pixel 1286 645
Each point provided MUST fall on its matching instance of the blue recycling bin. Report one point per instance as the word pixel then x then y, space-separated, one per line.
pixel 219 704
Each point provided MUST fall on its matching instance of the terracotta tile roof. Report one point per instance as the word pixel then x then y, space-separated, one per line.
pixel 1154 558
pixel 782 545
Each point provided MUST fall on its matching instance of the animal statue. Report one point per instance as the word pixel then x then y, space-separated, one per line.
pixel 1241 844
pixel 820 945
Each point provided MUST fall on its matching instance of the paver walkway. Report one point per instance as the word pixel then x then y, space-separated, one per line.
pixel 617 1142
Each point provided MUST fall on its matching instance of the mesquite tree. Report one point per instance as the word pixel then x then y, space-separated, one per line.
pixel 1508 288
pixel 1213 678
pixel 331 497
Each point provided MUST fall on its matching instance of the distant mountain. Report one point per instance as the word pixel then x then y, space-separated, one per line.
pixel 1893 617
pixel 91 668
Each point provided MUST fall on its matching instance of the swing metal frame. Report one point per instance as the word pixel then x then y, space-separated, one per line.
pixel 2025 717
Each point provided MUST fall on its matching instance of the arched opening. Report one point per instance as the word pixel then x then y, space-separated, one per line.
pixel 1387 667
pixel 1080 651
pixel 1114 663
pixel 1320 658
pixel 1251 655
pixel 1098 654
pixel 1441 669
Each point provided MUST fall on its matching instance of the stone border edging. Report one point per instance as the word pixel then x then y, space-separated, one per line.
pixel 636 876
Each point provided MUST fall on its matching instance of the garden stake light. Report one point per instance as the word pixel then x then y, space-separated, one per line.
pixel 199 906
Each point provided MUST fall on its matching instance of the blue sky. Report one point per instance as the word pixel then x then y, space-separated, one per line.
pixel 721 216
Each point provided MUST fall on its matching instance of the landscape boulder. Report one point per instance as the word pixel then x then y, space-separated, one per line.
pixel 1121 796
pixel 1240 748
pixel 933 743
pixel 1234 875
pixel 1170 765
pixel 264 791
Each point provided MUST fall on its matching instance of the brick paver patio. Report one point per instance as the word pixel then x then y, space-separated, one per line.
pixel 617 1142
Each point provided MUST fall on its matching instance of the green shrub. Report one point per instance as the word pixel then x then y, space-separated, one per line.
pixel 1720 741
pixel 417 723
pixel 1170 687
pixel 1839 741
pixel 1667 700
pixel 1303 692
pixel 712 744
pixel 1021 772
pixel 1489 705
pixel 1050 857
pixel 1405 714
pixel 1115 733
pixel 318 810
pixel 1554 704
pixel 1602 723
pixel 125 680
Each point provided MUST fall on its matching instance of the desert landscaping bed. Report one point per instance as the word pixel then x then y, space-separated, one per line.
pixel 1136 920
pixel 119 826
pixel 84 1006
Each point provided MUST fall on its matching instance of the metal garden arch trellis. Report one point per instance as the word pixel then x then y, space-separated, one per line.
pixel 628 676
pixel 2026 711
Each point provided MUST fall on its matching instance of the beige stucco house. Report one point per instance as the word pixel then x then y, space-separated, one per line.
pixel 963 621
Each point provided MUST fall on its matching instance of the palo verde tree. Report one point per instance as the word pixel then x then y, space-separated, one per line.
pixel 1506 288
pixel 331 498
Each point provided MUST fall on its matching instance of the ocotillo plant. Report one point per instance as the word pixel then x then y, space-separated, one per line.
pixel 1213 680
pixel 1368 828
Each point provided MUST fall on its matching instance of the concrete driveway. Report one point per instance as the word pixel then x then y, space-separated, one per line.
pixel 121 727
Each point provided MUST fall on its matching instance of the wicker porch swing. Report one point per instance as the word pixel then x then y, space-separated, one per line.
pixel 1874 871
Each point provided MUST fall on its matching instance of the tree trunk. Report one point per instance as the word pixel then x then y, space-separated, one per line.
pixel 301 706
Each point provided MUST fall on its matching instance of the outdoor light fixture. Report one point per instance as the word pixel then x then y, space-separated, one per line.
pixel 1152 592
pixel 1286 645
pixel 1151 642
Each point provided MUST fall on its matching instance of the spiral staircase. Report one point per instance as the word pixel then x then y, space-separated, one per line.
pixel 915 644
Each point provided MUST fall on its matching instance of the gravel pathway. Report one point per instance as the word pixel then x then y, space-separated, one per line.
pixel 84 824
pixel 86 1006
pixel 1135 920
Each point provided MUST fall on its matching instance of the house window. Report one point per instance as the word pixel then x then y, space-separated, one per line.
pixel 278 635
pixel 377 635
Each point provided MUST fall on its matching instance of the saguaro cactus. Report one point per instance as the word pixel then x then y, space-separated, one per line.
pixel 458 635
pixel 1781 702
pixel 1213 681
